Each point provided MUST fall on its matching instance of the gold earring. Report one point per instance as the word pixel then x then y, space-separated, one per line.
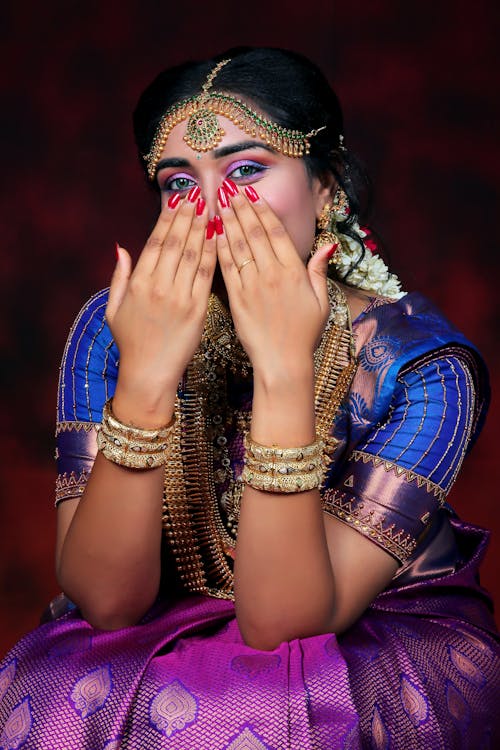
pixel 341 204
pixel 326 229
pixel 327 223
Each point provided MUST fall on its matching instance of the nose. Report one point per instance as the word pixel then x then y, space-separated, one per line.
pixel 209 186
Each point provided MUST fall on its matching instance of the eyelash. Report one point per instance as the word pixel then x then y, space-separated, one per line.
pixel 168 185
pixel 258 168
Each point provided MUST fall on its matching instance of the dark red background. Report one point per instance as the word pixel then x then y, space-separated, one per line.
pixel 419 85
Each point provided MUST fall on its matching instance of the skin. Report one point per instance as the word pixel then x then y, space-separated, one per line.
pixel 298 571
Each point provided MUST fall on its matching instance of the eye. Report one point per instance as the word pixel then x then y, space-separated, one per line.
pixel 178 183
pixel 245 170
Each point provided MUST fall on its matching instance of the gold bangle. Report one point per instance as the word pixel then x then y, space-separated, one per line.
pixel 286 483
pixel 275 469
pixel 130 446
pixel 275 453
pixel 284 467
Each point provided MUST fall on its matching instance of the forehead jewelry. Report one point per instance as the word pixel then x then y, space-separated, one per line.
pixel 203 131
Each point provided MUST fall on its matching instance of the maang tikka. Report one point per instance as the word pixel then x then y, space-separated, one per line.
pixel 204 132
pixel 330 215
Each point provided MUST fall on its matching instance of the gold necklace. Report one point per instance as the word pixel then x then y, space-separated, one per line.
pixel 199 478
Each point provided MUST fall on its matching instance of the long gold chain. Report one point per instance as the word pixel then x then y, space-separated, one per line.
pixel 199 478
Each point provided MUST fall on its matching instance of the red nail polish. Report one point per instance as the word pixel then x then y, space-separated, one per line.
pixel 174 200
pixel 251 193
pixel 219 226
pixel 230 187
pixel 193 194
pixel 116 251
pixel 200 207
pixel 332 250
pixel 210 229
pixel 223 198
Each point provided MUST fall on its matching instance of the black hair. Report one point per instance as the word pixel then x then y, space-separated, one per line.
pixel 287 87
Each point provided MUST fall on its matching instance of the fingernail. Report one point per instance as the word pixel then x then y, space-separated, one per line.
pixel 332 250
pixel 210 229
pixel 223 198
pixel 193 193
pixel 251 194
pixel 219 226
pixel 117 251
pixel 173 200
pixel 200 207
pixel 230 187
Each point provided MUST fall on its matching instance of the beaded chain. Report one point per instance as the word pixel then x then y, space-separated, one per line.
pixel 204 132
pixel 202 492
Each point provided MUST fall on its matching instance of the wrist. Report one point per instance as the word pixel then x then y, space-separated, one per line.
pixel 285 378
pixel 283 408
pixel 142 408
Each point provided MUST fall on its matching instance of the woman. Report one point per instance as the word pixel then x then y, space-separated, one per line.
pixel 251 505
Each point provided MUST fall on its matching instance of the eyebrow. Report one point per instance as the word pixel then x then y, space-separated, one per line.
pixel 217 153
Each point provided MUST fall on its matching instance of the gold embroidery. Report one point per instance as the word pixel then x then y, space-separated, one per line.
pixel 74 426
pixel 400 471
pixel 471 408
pixel 342 506
pixel 202 542
pixel 70 485
pixel 461 448
pixel 420 427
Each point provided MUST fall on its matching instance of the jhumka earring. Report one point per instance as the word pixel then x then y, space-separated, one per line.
pixel 327 233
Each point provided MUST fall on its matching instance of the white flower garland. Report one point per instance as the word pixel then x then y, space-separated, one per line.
pixel 368 272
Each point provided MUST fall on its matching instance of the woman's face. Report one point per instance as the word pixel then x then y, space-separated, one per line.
pixel 295 197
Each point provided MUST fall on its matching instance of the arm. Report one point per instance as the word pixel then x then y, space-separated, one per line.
pixel 108 546
pixel 384 499
pixel 298 571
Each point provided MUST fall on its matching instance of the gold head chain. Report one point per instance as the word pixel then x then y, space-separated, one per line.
pixel 204 132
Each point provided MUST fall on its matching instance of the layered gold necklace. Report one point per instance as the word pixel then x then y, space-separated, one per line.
pixel 202 493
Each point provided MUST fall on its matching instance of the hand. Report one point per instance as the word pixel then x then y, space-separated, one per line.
pixel 279 306
pixel 157 311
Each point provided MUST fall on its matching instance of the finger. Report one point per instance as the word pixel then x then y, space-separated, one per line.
pixel 317 269
pixel 227 262
pixel 176 238
pixel 246 235
pixel 153 247
pixel 278 238
pixel 190 260
pixel 202 284
pixel 119 282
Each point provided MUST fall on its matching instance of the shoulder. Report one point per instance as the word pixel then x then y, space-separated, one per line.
pixel 393 337
pixel 412 323
pixel 89 363
pixel 92 314
pixel 393 333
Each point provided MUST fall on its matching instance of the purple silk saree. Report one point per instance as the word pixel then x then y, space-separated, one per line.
pixel 418 671
pixel 406 675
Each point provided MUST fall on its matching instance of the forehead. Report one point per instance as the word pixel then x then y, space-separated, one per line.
pixel 176 145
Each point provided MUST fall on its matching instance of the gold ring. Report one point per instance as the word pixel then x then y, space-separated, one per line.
pixel 245 262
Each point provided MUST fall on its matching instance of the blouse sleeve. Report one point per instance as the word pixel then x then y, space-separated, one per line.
pixel 399 475
pixel 87 379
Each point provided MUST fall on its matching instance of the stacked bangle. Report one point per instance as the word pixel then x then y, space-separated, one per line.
pixel 130 446
pixel 275 469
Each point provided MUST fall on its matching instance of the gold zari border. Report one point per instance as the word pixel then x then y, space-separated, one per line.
pixel 75 427
pixel 397 543
pixel 400 471
pixel 70 485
